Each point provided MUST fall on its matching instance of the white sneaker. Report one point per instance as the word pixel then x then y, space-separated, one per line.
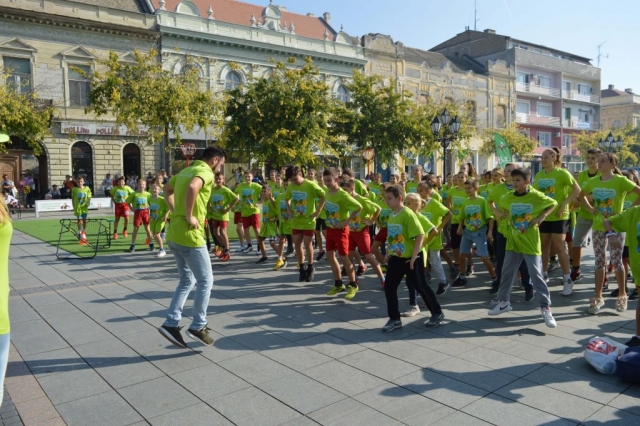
pixel 162 253
pixel 501 308
pixel 595 304
pixel 411 312
pixel 241 249
pixel 567 287
pixel 549 321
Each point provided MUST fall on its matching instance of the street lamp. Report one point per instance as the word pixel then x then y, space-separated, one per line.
pixel 610 143
pixel 450 133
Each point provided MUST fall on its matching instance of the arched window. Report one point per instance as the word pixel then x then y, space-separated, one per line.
pixel 82 162
pixel 232 80
pixel 342 94
pixel 131 160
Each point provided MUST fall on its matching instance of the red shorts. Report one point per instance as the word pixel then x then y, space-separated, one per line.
pixel 381 236
pixel 237 218
pixel 141 217
pixel 303 232
pixel 220 223
pixel 569 237
pixel 360 240
pixel 122 210
pixel 338 239
pixel 251 221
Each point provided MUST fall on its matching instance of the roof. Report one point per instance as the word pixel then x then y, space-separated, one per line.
pixel 237 12
pixel 435 60
pixel 141 6
pixel 611 92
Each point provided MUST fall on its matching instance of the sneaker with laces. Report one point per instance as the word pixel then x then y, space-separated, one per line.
pixel 553 265
pixel 279 264
pixel 595 304
pixel 309 275
pixel 576 274
pixel 411 312
pixel 83 242
pixel 225 257
pixel 262 259
pixel 454 273
pixel 500 308
pixel 459 282
pixel 132 248
pixel 634 342
pixel 320 255
pixel 616 292
pixel 352 290
pixel 634 295
pixel 125 233
pixel 303 273
pixel 289 250
pixel 442 288
pixel 567 287
pixel 549 321
pixel 162 253
pixel 435 320
pixel 248 249
pixel 621 304
pixel 470 270
pixel 528 293
pixel 392 325
pixel 240 249
pixel 173 335
pixel 361 270
pixel 115 235
pixel 201 335
pixel 335 290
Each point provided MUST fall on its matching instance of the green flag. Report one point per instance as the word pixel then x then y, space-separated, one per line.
pixel 502 150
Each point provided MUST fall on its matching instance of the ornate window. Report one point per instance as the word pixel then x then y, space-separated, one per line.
pixel 79 86
pixel 18 74
pixel 342 94
pixel 233 80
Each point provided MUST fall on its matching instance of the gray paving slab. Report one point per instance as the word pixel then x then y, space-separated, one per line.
pixel 629 400
pixel 195 415
pixel 379 364
pixel 44 363
pixel 501 411
pixel 263 410
pixel 301 393
pixel 36 336
pixel 411 353
pixel 157 397
pixel 210 382
pixel 297 358
pixel 104 409
pixel 125 372
pixel 71 385
pixel 612 417
pixel 350 412
pixel 344 378
pixel 255 368
pixel 472 373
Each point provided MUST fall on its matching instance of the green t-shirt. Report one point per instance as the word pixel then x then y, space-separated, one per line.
pixel 444 193
pixel 556 184
pixel 302 198
pixel 608 197
pixel 180 232
pixel 275 189
pixel 411 187
pixel 436 196
pixel 376 190
pixel 494 197
pixel 337 206
pixel 323 213
pixel 139 200
pixel 360 187
pixel 6 230
pixel 629 221
pixel 427 226
pixel 120 195
pixel 221 199
pixel 629 199
pixel 249 198
pixel 157 208
pixel 385 212
pixel 283 214
pixel 583 178
pixel 435 211
pixel 81 198
pixel 402 230
pixel 521 210
pixel 475 213
pixel 456 196
pixel 485 190
pixel 368 210
pixel 268 215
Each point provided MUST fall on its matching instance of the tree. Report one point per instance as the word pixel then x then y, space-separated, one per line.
pixel 520 144
pixel 24 115
pixel 628 155
pixel 142 92
pixel 282 119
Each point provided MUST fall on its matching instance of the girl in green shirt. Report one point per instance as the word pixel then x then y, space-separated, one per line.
pixel 6 230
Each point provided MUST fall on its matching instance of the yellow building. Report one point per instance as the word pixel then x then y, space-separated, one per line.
pixel 619 108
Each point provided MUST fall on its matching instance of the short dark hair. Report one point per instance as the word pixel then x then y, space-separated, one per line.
pixel 347 172
pixel 329 172
pixel 219 174
pixel 523 173
pixel 213 151
pixel 293 171
pixel 594 151
pixel 121 178
pixel 396 190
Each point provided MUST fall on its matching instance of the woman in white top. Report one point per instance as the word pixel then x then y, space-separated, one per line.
pixel 107 185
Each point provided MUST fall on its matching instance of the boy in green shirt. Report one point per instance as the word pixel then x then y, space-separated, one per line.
pixel 158 213
pixel 321 224
pixel 222 201
pixel 524 210
pixel 249 193
pixel 268 227
pixel 119 194
pixel 381 236
pixel 457 195
pixel 284 224
pixel 80 199
pixel 139 202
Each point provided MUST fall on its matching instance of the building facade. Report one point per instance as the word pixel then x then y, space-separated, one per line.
pixel 485 89
pixel 42 43
pixel 557 93
pixel 620 108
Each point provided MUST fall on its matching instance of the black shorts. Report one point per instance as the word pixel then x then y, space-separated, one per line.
pixel 455 238
pixel 625 252
pixel 555 227
pixel 321 225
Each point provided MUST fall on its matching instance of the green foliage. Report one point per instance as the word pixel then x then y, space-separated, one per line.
pixel 628 155
pixel 23 116
pixel 520 144
pixel 283 119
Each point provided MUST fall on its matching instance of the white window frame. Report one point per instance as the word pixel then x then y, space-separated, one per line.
pixel 523 102
pixel 69 80
pixel 540 77
pixel 581 85
pixel 566 138
pixel 544 144
pixel 545 104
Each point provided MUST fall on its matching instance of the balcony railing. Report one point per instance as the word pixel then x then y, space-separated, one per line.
pixel 574 123
pixel 538 90
pixel 582 97
pixel 537 120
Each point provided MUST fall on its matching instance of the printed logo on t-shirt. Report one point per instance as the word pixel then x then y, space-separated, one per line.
pixel 472 217
pixel 483 194
pixel 356 224
pixel 121 196
pixel 376 191
pixel 141 202
pixel 548 187
pixel 299 202
pixel 246 196
pixel 428 215
pixel 153 211
pixel 457 202
pixel 81 197
pixel 627 205
pixel 332 210
pixel 217 201
pixel 396 240
pixel 603 199
pixel 521 216
pixel 384 216
pixel 284 213
pixel 265 213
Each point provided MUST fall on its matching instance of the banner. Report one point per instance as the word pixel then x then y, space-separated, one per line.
pixel 44 206
pixel 502 150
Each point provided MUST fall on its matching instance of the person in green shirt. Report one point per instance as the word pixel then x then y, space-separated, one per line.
pixel 627 223
pixel 394 179
pixel 268 228
pixel 139 202
pixel 524 210
pixel 80 199
pixel 301 200
pixel 222 201
pixel 187 195
pixel 417 173
pixel 629 199
pixel 405 258
pixel 375 186
pixel 284 223
pixel 6 231
pixel 273 183
pixel 119 195
pixel 341 208
pixel 557 183
pixel 158 213
pixel 249 193
pixel 457 195
pixel 381 236
pixel 321 225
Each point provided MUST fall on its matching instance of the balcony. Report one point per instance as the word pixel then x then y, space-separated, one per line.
pixel 581 97
pixel 537 90
pixel 574 123
pixel 537 120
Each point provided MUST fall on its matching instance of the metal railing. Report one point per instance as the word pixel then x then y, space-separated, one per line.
pixel 538 90
pixel 582 97
pixel 536 119
pixel 574 123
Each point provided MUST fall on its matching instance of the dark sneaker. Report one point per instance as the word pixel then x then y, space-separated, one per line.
pixel 361 270
pixel 528 293
pixel 605 287
pixel 392 325
pixel 470 270
pixel 553 265
pixel 289 250
pixel 320 255
pixel 454 273
pixel 435 320
pixel 615 292
pixel 442 288
pixel 201 335
pixel 132 248
pixel 634 294
pixel 576 274
pixel 263 259
pixel 173 335
pixel 303 273
pixel 459 282
pixel 309 275
pixel 634 342
pixel 495 285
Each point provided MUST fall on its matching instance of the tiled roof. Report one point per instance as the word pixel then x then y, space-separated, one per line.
pixel 610 93
pixel 237 12
pixel 140 6
pixel 435 60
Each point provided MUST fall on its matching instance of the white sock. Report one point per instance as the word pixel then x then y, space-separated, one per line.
pixel 566 277
pixel 503 304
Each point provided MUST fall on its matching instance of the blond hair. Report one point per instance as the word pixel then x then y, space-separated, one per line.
pixel 5 217
pixel 415 197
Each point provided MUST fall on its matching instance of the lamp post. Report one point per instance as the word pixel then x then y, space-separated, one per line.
pixel 610 143
pixel 449 134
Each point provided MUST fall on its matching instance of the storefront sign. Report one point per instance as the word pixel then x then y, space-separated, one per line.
pixel 44 206
pixel 101 129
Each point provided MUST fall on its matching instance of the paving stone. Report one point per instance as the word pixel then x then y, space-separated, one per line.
pixel 194 415
pixel 55 361
pixel 501 362
pixel 629 400
pixel 156 397
pixel 109 350
pixel 26 390
pixel 331 346
pixel 301 421
pixel 350 412
pixel 473 374
pixel 56 310
pixel 210 382
pixel 42 299
pixel 612 417
pixel 412 353
pixel 263 410
pixel 301 393
pixel 36 410
pixel 439 343
pixel 71 385
pixel 296 357
pixel 78 329
pixel 103 409
pixel 460 418
pixel 379 365
pixel 173 359
pixel 255 368
pixel 128 371
pixel 344 378
pixel 501 411
pixel 35 336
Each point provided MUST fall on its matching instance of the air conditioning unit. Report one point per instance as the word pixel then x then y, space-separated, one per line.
pixel 556 135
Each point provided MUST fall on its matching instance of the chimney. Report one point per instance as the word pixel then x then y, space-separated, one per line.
pixel 611 87
pixel 628 90
pixel 327 17
pixel 311 14
pixel 490 31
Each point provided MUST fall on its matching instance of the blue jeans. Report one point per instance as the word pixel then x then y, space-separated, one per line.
pixel 194 267
pixel 4 359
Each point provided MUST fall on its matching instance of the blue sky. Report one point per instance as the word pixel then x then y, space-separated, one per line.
pixel 574 26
